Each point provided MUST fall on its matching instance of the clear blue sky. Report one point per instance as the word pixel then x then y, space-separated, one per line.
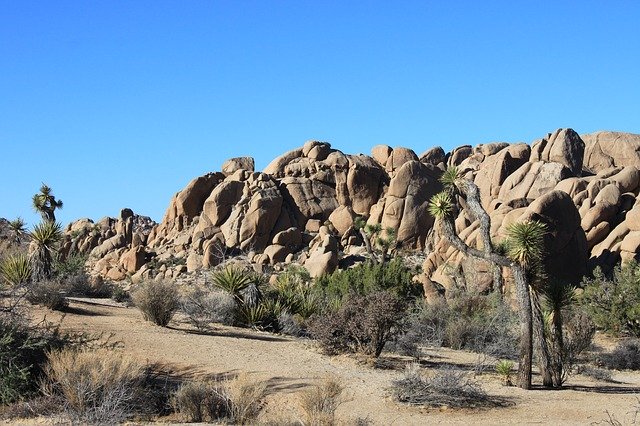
pixel 120 103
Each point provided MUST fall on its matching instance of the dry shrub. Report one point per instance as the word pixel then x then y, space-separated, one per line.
pixel 320 402
pixel 444 387
pixel 97 387
pixel 237 401
pixel 204 307
pixel 50 293
pixel 246 396
pixel 626 356
pixel 362 324
pixel 596 373
pixel 196 399
pixel 158 301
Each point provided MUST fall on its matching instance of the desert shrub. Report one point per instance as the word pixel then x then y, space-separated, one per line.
pixel 291 324
pixel 81 284
pixel 49 292
pixel 614 304
pixel 205 306
pixel 444 387
pixel 15 269
pixel 362 324
pixel 367 278
pixel 235 281
pixel 158 301
pixel 70 265
pixel 246 396
pixel 294 292
pixel 478 323
pixel 320 402
pixel 23 348
pixel 119 294
pixel 596 373
pixel 98 387
pixel 578 331
pixel 626 356
pixel 237 401
pixel 197 400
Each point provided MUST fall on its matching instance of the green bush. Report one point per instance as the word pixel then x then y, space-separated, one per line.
pixel 368 277
pixel 23 349
pixel 49 292
pixel 614 304
pixel 158 301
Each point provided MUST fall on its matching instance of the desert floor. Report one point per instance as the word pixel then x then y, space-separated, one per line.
pixel 289 365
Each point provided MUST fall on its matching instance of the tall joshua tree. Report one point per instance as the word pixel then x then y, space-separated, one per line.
pixel 45 203
pixel 442 207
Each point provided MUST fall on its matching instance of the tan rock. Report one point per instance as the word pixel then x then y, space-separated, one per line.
pixel 381 153
pixel 276 253
pixel 342 219
pixel 609 149
pixel 232 165
pixel 133 259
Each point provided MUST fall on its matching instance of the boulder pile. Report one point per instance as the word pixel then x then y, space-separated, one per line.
pixel 308 207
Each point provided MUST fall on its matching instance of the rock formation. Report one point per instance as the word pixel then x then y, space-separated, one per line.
pixel 304 208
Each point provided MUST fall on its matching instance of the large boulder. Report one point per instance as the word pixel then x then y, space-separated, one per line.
pixel 604 150
pixel 232 165
pixel 563 146
pixel 531 181
pixel 496 168
pixel 308 199
pixel 565 243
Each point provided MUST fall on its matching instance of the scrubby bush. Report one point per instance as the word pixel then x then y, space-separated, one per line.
pixel 320 402
pixel 444 387
pixel 478 323
pixel 23 348
pixel 98 387
pixel 205 306
pixel 49 292
pixel 70 266
pixel 197 400
pixel 245 396
pixel 158 301
pixel 614 304
pixel 596 373
pixel 626 356
pixel 362 324
pixel 81 284
pixel 368 277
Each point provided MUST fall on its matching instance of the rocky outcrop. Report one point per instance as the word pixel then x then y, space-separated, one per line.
pixel 308 205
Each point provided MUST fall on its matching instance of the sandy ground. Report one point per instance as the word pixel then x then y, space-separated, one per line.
pixel 289 365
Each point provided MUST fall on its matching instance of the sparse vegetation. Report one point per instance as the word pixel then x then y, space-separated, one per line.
pixel 15 269
pixel 505 369
pixel 363 324
pixel 626 356
pixel 98 387
pixel 45 237
pixel 48 292
pixel 320 402
pixel 614 304
pixel 158 301
pixel 444 387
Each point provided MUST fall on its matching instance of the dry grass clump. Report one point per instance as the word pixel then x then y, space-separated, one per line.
pixel 158 301
pixel 238 401
pixel 444 387
pixel 50 293
pixel 320 402
pixel 99 387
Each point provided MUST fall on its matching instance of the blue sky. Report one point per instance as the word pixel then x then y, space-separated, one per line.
pixel 120 103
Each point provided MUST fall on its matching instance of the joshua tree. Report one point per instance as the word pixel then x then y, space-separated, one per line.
pixel 558 295
pixel 44 239
pixel 18 229
pixel 45 203
pixel 442 207
pixel 385 239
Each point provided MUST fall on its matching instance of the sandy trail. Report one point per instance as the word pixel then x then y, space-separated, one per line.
pixel 290 365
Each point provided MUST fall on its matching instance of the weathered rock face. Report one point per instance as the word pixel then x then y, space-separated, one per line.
pixel 604 150
pixel 307 205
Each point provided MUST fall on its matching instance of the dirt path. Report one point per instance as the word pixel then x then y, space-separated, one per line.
pixel 290 365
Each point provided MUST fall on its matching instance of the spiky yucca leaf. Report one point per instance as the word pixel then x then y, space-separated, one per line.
pixel 526 242
pixel 232 279
pixel 441 205
pixel 558 295
pixel 47 234
pixel 15 269
pixel 450 177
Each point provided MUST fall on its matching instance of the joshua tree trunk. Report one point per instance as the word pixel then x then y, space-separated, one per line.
pixel 540 338
pixel 557 342
pixel 522 295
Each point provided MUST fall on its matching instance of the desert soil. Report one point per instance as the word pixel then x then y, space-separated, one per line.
pixel 289 365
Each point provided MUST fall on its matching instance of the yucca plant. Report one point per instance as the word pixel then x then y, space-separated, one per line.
pixel 525 243
pixel 18 229
pixel 45 203
pixel 450 178
pixel 557 296
pixel 234 280
pixel 15 269
pixel 45 238
pixel 505 369
pixel 441 205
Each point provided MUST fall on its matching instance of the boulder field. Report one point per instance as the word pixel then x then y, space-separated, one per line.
pixel 306 205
